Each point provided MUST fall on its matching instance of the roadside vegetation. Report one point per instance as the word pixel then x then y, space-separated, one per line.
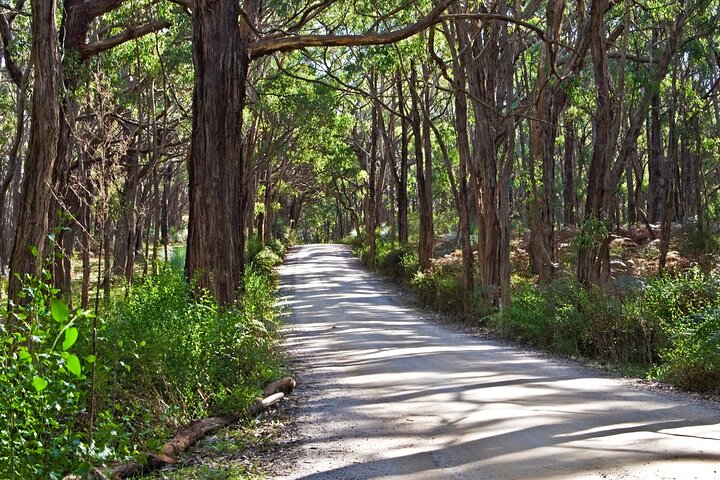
pixel 86 390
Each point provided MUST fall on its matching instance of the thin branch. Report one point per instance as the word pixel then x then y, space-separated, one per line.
pixel 90 49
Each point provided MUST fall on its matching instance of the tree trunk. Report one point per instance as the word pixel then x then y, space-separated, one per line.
pixel 44 133
pixel 461 129
pixel 593 250
pixel 402 193
pixel 656 163
pixel 569 175
pixel 425 245
pixel 215 257
pixel 550 101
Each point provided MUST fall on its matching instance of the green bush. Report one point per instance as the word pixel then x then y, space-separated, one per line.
pixel 43 386
pixel 569 319
pixel 278 247
pixel 265 262
pixel 695 242
pixel 253 247
pixel 692 360
pixel 162 356
pixel 682 312
pixel 441 285
pixel 396 260
pixel 185 357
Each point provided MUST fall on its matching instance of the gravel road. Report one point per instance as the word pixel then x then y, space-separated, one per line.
pixel 386 393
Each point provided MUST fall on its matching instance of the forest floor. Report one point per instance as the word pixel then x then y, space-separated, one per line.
pixel 385 391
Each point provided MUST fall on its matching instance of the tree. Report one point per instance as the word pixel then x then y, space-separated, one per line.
pixel 221 54
pixel 29 242
pixel 50 130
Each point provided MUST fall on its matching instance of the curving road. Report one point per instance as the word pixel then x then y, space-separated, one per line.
pixel 384 393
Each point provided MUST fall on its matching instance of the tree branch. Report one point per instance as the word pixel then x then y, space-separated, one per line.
pixel 268 46
pixel 5 38
pixel 90 49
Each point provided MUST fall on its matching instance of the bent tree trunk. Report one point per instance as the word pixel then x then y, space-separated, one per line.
pixel 44 132
pixel 215 231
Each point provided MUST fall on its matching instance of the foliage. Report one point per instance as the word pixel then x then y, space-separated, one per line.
pixel 44 387
pixel 692 360
pixel 683 310
pixel 441 286
pixel 185 357
pixel 695 242
pixel 163 358
pixel 673 320
pixel 396 260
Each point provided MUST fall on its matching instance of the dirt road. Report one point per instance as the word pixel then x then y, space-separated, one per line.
pixel 384 393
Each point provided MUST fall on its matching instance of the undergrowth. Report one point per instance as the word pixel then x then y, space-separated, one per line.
pixel 162 357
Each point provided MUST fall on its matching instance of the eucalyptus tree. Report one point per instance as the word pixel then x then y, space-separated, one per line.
pixel 612 150
pixel 223 48
pixel 47 156
pixel 14 97
pixel 488 41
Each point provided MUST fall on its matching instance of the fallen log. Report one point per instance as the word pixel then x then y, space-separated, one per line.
pixel 261 405
pixel 285 385
pixel 197 430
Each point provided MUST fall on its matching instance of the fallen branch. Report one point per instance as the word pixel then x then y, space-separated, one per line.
pixel 285 385
pixel 274 392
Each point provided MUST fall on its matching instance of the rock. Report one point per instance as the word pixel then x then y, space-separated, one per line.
pixel 622 242
pixel 629 282
pixel 618 265
pixel 655 244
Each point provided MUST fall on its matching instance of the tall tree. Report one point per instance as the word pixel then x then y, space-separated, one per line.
pixel 222 52
pixel 32 227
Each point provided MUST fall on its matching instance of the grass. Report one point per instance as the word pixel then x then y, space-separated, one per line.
pixel 230 454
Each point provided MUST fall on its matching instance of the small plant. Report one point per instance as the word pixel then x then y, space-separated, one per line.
pixel 42 383
pixel 593 232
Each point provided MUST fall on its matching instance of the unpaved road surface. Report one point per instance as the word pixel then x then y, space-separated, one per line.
pixel 384 393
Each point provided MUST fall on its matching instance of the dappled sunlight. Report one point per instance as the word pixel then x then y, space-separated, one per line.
pixel 389 395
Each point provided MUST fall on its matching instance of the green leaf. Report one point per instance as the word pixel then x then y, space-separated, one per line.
pixel 59 310
pixel 90 359
pixel 83 469
pixel 71 336
pixel 34 251
pixel 40 384
pixel 72 363
pixel 24 354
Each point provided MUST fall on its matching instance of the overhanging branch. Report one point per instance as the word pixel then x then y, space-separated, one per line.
pixel 267 46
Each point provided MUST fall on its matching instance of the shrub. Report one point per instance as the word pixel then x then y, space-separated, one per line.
pixel 277 247
pixel 42 384
pixel 526 318
pixel 396 260
pixel 692 360
pixel 185 357
pixel 253 247
pixel 265 261
pixel 682 311
pixel 441 285
pixel 164 356
pixel 569 319
pixel 696 242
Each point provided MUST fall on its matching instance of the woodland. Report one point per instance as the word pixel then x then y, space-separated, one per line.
pixel 547 170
